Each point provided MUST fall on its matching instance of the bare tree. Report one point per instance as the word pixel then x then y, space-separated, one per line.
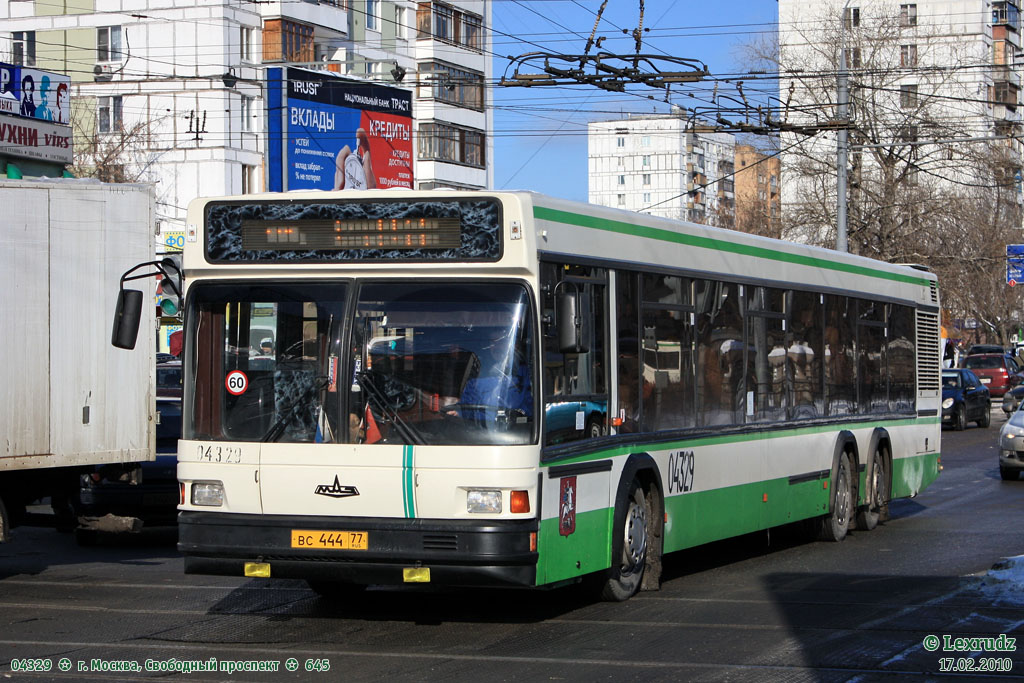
pixel 922 188
pixel 121 154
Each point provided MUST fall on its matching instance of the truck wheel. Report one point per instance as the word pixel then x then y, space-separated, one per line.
pixel 836 524
pixel 5 528
pixel 629 546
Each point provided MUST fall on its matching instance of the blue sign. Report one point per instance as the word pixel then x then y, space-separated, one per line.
pixel 1014 263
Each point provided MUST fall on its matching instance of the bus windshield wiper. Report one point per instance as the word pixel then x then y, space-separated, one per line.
pixel 288 414
pixel 380 400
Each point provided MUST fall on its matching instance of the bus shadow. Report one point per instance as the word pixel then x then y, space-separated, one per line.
pixel 879 623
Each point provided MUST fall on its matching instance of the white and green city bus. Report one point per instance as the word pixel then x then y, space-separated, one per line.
pixel 506 389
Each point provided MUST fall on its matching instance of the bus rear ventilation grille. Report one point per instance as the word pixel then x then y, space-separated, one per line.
pixel 440 542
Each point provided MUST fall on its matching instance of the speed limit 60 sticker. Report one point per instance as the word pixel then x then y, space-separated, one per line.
pixel 236 382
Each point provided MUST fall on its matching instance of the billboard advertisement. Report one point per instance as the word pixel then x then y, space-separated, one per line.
pixel 35 94
pixel 331 133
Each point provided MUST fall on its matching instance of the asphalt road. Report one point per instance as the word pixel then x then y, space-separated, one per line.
pixel 765 607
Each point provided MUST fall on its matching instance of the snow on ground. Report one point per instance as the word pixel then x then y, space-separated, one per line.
pixel 1004 583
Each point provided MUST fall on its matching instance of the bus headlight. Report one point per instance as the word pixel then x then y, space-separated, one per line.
pixel 483 501
pixel 208 493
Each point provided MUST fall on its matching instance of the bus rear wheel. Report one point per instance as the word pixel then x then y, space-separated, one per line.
pixel 876 508
pixel 629 546
pixel 836 524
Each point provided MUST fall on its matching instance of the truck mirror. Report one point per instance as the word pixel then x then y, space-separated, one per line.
pixel 573 321
pixel 127 315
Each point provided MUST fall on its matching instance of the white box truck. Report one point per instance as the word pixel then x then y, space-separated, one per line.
pixel 68 399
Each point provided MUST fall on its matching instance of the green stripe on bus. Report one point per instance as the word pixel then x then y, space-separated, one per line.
pixel 706 516
pixel 408 490
pixel 608 225
pixel 737 438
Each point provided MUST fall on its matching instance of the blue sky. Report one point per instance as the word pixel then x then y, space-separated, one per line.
pixel 540 133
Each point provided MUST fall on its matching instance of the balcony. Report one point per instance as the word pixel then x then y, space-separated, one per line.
pixel 1006 13
pixel 1006 94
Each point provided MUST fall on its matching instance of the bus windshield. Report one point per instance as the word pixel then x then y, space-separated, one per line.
pixel 418 363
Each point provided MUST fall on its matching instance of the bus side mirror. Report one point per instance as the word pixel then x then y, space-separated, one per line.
pixel 573 319
pixel 127 315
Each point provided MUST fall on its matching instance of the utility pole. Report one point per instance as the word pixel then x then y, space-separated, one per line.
pixel 841 138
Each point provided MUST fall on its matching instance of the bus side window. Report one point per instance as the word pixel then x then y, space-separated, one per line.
pixel 575 384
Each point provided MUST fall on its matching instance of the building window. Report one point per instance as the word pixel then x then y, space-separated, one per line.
pixel 620 142
pixel 908 55
pixel 620 199
pixel 851 17
pixel 646 178
pixel 245 43
pixel 372 20
pixel 908 15
pixel 621 162
pixel 23 48
pixel 474 30
pixel 443 142
pixel 247 113
pixel 645 160
pixel 108 44
pixel 401 28
pixel 452 85
pixel 645 141
pixel 250 181
pixel 108 114
pixel 622 180
pixel 908 96
pixel 443 22
pixel 852 57
pixel 647 197
pixel 288 41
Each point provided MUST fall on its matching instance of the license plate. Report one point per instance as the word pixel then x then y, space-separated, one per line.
pixel 986 380
pixel 330 540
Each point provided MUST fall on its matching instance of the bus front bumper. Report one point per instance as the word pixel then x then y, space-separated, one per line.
pixel 457 552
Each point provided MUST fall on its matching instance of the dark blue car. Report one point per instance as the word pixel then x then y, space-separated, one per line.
pixel 964 399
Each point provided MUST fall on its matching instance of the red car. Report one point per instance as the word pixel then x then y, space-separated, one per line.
pixel 997 371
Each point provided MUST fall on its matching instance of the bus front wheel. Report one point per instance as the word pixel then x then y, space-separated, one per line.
pixel 836 524
pixel 629 545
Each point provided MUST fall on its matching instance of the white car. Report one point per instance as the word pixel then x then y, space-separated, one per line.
pixel 1011 446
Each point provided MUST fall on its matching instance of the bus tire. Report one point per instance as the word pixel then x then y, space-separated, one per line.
pixel 876 508
pixel 629 545
pixel 836 524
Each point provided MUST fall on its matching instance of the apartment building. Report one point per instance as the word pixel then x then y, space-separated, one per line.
pixel 930 83
pixel 182 90
pixel 758 197
pixel 657 165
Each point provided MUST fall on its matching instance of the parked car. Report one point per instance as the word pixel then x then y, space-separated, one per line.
pixel 1011 447
pixel 976 349
pixel 964 399
pixel 997 371
pixel 125 498
pixel 1012 399
pixel 168 379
